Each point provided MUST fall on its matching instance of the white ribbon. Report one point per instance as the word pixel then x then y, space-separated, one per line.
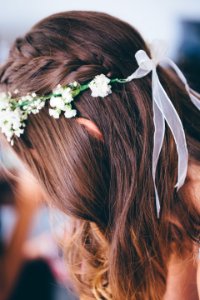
pixel 164 110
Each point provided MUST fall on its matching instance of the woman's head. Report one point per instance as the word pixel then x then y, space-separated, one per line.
pixel 104 180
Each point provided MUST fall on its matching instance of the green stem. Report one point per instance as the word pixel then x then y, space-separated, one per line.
pixel 118 80
pixel 75 93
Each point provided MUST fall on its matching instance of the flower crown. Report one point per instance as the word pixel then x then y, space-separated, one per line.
pixel 15 111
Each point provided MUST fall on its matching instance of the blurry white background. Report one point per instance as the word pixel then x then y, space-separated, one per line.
pixel 153 18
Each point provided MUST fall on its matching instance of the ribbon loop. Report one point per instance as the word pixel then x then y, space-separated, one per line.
pixel 143 60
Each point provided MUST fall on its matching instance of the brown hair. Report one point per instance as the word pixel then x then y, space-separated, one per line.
pixel 118 248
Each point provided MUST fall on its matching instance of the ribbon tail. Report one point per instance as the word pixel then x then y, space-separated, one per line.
pixel 174 122
pixel 159 131
pixel 195 100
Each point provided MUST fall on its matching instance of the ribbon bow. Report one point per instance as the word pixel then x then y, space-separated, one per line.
pixel 164 110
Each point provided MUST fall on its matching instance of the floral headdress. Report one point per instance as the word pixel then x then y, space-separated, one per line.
pixel 15 111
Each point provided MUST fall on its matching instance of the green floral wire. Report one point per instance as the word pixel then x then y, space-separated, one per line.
pixel 75 92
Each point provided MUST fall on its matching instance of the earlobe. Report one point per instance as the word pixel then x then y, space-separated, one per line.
pixel 91 127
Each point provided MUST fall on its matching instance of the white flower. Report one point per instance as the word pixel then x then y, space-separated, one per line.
pixel 15 119
pixel 8 133
pixel 16 91
pixel 54 113
pixel 74 84
pixel 28 97
pixel 11 122
pixel 64 92
pixel 19 131
pixel 32 106
pixel 100 86
pixel 58 90
pixel 35 111
pixel 11 118
pixel 69 113
pixel 57 102
pixel 41 105
pixel 4 101
pixel 67 95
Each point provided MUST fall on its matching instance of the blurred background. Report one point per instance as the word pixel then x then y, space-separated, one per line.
pixel 175 21
pixel 31 261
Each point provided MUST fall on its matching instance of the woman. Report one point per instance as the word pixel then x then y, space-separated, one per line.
pixel 96 166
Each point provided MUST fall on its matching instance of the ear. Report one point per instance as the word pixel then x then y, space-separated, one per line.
pixel 91 127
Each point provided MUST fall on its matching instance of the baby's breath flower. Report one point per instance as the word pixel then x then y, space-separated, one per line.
pixel 67 95
pixel 4 101
pixel 69 113
pixel 11 122
pixel 57 102
pixel 58 90
pixel 74 85
pixel 100 86
pixel 55 113
pixel 60 101
pixel 16 91
pixel 64 92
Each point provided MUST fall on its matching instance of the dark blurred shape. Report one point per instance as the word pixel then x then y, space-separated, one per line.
pixel 7 187
pixel 7 193
pixel 6 197
pixel 188 52
pixel 36 281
